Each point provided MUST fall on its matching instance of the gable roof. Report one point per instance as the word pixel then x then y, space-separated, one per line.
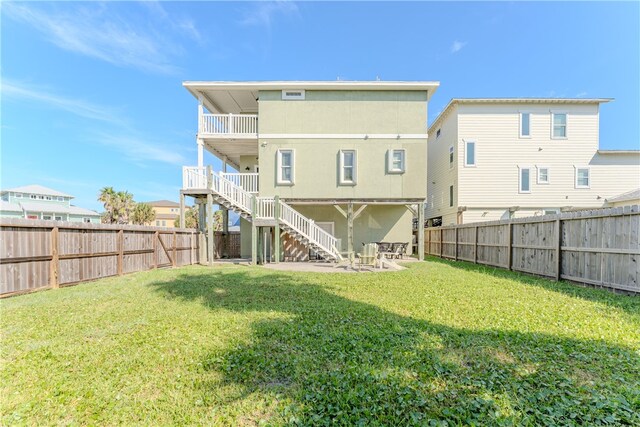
pixel 163 204
pixel 55 208
pixel 455 101
pixel 36 189
pixel 624 197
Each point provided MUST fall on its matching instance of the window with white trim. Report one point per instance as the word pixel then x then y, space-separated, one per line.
pixel 451 153
pixel 348 167
pixel 285 166
pixel 17 195
pixel 46 217
pixel 525 180
pixel 60 199
pixel 583 179
pixel 470 153
pixel 450 195
pixel 438 132
pixel 58 218
pixel 86 219
pixel 559 125
pixel 33 196
pixel 293 94
pixel 543 175
pixel 525 125
pixel 396 161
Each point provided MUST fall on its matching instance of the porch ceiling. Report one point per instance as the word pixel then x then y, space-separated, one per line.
pixel 233 149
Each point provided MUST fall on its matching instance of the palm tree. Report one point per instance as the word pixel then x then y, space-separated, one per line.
pixel 124 206
pixel 190 218
pixel 143 214
pixel 108 198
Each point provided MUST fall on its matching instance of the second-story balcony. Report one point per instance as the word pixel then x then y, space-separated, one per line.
pixel 232 126
pixel 202 178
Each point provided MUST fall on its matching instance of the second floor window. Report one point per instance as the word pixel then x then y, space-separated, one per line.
pixel 525 125
pixel 396 161
pixel 582 178
pixel 285 167
pixel 525 180
pixel 559 123
pixel 347 166
pixel 543 175
pixel 450 195
pixel 451 157
pixel 470 154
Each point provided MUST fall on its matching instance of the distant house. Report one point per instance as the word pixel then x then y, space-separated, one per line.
pixel 166 212
pixel 491 159
pixel 38 202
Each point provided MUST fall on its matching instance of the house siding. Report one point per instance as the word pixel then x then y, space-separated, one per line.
pixel 439 175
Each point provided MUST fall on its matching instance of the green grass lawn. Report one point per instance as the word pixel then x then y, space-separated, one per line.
pixel 436 344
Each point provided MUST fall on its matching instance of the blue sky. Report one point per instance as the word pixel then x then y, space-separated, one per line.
pixel 92 95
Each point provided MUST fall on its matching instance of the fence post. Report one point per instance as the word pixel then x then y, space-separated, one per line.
pixel 509 244
pixel 456 245
pixel 174 261
pixel 475 246
pixel 55 260
pixel 558 248
pixel 156 236
pixel 120 251
pixel 441 244
pixel 428 244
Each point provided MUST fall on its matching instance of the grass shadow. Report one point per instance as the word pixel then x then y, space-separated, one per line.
pixel 328 359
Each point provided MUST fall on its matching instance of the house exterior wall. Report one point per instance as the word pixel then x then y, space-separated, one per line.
pixel 166 216
pixel 337 114
pixel 54 202
pixel 376 223
pixel 440 175
pixel 487 190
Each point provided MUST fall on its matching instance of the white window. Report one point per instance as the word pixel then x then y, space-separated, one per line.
pixel 58 218
pixel 32 196
pixel 164 223
pixel 348 165
pixel 451 153
pixel 85 219
pixel 450 195
pixel 396 161
pixel 293 94
pixel 286 167
pixel 551 211
pixel 47 217
pixel 470 153
pixel 583 179
pixel 5 197
pixel 157 223
pixel 60 199
pixel 438 133
pixel 17 195
pixel 40 197
pixel 525 125
pixel 525 180
pixel 48 198
pixel 543 175
pixel 558 125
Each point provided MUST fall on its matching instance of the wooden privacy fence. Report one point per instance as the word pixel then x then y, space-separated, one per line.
pixel 37 254
pixel 598 247
pixel 232 250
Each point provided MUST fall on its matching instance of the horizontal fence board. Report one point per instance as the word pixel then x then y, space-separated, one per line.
pixel 599 247
pixel 36 254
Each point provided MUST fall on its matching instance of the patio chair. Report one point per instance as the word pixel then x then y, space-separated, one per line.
pixel 342 261
pixel 384 248
pixel 369 256
pixel 399 249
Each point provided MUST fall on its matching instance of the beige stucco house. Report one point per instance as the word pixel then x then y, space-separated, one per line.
pixel 313 168
pixel 492 159
pixel 166 212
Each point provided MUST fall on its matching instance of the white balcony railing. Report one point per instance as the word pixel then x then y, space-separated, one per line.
pixel 229 124
pixel 194 178
pixel 246 181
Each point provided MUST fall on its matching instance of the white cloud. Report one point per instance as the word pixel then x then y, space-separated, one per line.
pixel 262 13
pixel 457 46
pixel 581 94
pixel 140 151
pixel 99 33
pixel 15 90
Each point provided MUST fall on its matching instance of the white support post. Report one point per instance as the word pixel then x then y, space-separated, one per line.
pixel 200 115
pixel 200 153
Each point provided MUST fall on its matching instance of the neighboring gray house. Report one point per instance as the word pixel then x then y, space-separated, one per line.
pixel 38 202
